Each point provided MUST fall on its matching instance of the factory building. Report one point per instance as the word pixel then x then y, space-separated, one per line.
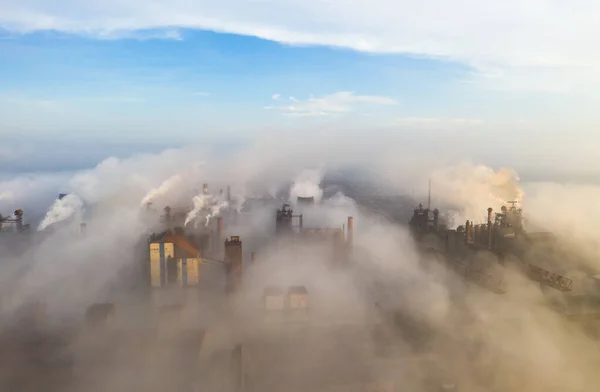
pixel 174 260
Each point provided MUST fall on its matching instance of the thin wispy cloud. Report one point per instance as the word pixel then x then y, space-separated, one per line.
pixel 276 96
pixel 557 35
pixel 200 94
pixel 337 103
pixel 139 35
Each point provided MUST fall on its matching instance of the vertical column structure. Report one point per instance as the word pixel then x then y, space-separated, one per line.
pixel 469 232
pixel 350 230
pixel 218 238
pixel 233 263
pixel 489 228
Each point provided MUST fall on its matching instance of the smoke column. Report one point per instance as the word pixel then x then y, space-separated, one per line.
pixel 205 203
pixel 61 210
pixel 307 184
pixel 468 190
pixel 162 189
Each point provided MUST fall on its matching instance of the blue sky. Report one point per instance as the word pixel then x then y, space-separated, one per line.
pixel 155 76
pixel 205 77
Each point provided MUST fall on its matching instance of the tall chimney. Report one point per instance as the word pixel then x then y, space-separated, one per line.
pixel 228 193
pixel 217 238
pixel 82 227
pixel 205 189
pixel 233 263
pixel 350 230
pixel 220 224
pixel 253 257
pixel 19 216
pixel 489 227
pixel 469 234
pixel 167 213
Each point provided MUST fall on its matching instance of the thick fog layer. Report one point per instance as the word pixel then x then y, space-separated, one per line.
pixel 469 337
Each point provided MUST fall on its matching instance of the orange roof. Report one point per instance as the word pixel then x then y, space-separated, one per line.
pixel 181 242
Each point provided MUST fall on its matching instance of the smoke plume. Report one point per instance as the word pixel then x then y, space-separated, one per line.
pixel 438 329
pixel 62 209
pixel 307 184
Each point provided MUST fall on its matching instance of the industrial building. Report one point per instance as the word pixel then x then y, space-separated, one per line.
pixel 301 336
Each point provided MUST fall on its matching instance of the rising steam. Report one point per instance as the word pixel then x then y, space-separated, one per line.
pixel 469 190
pixel 480 340
pixel 62 209
pixel 205 205
pixel 307 184
pixel 164 188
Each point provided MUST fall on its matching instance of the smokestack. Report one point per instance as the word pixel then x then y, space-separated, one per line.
pixel 19 219
pixel 218 234
pixel 228 193
pixel 436 219
pixel 350 230
pixel 148 206
pixel 252 257
pixel 205 189
pixel 429 196
pixel 469 230
pixel 82 227
pixel 233 263
pixel 489 227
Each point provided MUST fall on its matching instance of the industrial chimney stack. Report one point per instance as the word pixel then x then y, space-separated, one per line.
pixel 350 230
pixel 489 227
pixel 233 263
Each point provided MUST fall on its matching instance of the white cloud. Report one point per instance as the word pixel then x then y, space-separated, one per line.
pixel 506 35
pixel 276 96
pixel 336 103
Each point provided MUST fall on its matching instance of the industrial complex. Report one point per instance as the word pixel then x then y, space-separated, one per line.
pixel 214 328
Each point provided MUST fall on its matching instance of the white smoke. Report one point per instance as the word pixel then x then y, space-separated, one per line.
pixel 62 209
pixel 467 190
pixel 307 184
pixel 164 188
pixel 205 204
